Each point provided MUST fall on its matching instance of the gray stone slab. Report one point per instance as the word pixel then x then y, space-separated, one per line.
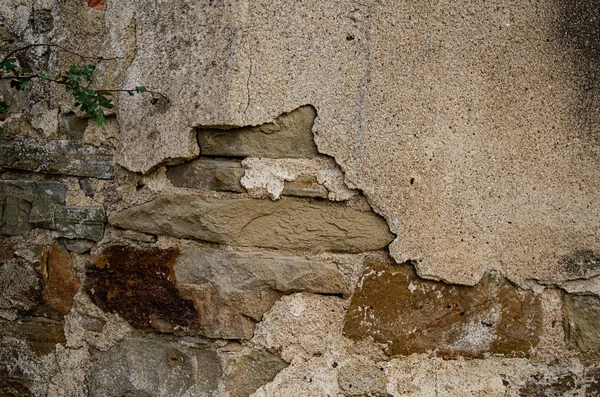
pixel 210 174
pixel 57 157
pixel 22 200
pixel 25 205
pixel 283 224
pixel 168 368
pixel 288 136
pixel 80 222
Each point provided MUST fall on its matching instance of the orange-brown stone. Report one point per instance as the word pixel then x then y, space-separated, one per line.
pixel 96 4
pixel 394 306
pixel 59 279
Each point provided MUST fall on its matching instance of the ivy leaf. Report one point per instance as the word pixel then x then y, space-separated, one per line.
pixel 154 100
pixel 100 119
pixel 140 89
pixel 19 85
pixel 9 65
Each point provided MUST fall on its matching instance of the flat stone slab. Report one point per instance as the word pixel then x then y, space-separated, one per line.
pixel 25 205
pixel 57 157
pixel 396 307
pixel 233 290
pixel 210 174
pixel 283 224
pixel 289 136
pixel 168 367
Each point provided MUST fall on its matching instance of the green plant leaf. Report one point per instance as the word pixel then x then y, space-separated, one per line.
pixel 100 119
pixel 19 85
pixel 9 65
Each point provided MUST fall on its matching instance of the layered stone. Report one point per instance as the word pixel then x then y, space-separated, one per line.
pixel 288 136
pixel 232 290
pixel 210 174
pixel 284 224
pixel 582 323
pixel 57 157
pixel 25 205
pixel 394 306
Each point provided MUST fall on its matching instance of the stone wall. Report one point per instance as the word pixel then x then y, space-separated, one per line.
pixel 344 199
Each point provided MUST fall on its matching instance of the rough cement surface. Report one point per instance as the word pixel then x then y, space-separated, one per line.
pixel 267 177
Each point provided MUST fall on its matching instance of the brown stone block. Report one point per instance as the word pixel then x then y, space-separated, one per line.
pixel 289 136
pixel 282 224
pixel 582 323
pixel 412 315
pixel 59 279
pixel 210 174
pixel 139 284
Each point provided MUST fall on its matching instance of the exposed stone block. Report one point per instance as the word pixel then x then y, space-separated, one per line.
pixel 140 286
pixel 19 281
pixel 78 246
pixel 234 289
pixel 57 157
pixel 59 279
pixel 169 368
pixel 247 371
pixel 21 199
pixel 284 224
pixel 210 174
pixel 80 222
pixel 582 323
pixel 412 315
pixel 135 236
pixel 25 368
pixel 40 334
pixel 25 205
pixel 289 136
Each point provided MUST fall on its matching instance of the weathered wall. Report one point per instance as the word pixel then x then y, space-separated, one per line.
pixel 343 199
